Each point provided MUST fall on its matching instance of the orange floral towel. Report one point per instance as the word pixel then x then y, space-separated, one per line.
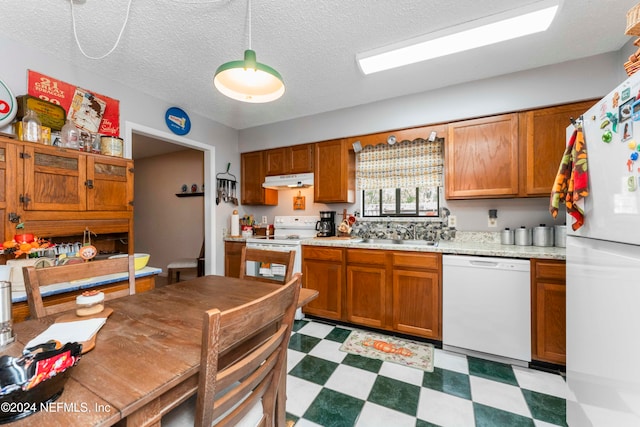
pixel 572 181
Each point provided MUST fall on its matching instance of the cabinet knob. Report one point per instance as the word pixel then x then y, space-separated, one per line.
pixel 89 183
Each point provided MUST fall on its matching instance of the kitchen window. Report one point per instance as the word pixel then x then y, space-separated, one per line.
pixel 401 179
pixel 400 202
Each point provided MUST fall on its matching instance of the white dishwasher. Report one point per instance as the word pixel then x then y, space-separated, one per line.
pixel 486 306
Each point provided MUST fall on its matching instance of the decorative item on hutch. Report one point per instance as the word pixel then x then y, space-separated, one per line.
pixel 633 29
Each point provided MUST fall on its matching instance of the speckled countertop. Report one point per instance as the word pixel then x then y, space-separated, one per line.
pixel 465 243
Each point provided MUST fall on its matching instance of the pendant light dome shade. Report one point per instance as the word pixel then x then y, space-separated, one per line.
pixel 249 80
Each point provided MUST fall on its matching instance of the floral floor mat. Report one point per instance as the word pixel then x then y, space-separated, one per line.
pixel 390 349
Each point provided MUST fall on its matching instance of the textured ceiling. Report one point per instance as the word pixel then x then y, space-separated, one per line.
pixel 171 48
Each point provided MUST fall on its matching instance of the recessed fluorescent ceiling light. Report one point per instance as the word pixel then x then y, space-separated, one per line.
pixel 514 23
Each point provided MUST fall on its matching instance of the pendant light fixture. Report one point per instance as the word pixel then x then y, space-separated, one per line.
pixel 248 80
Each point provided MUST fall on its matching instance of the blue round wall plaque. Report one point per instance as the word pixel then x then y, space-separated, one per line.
pixel 177 121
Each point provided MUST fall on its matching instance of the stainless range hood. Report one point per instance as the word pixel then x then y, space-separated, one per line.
pixel 284 182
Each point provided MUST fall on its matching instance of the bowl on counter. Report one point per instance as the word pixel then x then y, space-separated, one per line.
pixel 140 260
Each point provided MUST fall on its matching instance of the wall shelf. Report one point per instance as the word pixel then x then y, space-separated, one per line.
pixel 190 194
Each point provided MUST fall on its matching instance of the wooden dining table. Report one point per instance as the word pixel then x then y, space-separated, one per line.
pixel 146 357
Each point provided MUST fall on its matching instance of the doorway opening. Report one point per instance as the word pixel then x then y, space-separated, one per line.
pixel 135 130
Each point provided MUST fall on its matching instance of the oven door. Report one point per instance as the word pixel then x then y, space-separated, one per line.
pixel 272 271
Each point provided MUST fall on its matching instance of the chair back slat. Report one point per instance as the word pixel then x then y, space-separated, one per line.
pixel 34 279
pixel 266 256
pixel 265 324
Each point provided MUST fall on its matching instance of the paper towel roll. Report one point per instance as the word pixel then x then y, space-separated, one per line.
pixel 235 224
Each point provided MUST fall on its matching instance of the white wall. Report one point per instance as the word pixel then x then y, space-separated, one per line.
pixel 136 107
pixel 167 226
pixel 562 83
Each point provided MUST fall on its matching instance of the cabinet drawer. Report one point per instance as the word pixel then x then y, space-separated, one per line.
pixel 363 256
pixel 417 260
pixel 322 253
pixel 550 270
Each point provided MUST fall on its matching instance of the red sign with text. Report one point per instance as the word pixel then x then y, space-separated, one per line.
pixel 90 111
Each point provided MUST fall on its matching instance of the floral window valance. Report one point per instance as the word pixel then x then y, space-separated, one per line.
pixel 408 164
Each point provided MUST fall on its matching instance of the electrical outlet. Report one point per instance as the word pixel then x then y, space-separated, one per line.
pixel 493 222
pixel 224 231
pixel 453 221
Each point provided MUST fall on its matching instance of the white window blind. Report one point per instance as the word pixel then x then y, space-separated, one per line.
pixel 407 164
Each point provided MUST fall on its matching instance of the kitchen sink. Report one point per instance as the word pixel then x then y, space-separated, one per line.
pixel 397 242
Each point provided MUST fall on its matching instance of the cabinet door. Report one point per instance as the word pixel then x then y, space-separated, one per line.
pixel 8 183
pixel 301 158
pixel 277 161
pixel 543 140
pixel 550 345
pixel 548 311
pixel 252 177
pixel 482 158
pixel 323 271
pixel 109 184
pixel 334 180
pixel 232 256
pixel 366 289
pixel 417 300
pixel 54 180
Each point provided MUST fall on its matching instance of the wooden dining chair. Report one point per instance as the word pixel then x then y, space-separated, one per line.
pixel 243 391
pixel 266 256
pixel 34 278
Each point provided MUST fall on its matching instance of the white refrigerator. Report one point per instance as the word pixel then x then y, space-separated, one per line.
pixel 603 269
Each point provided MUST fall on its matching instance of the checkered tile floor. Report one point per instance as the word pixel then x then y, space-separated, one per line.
pixel 327 387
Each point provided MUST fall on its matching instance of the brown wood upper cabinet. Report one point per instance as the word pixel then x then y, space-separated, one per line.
pixel 288 160
pixel 252 175
pixel 59 192
pixel 482 158
pixel 509 155
pixel 542 143
pixel 69 180
pixel 335 175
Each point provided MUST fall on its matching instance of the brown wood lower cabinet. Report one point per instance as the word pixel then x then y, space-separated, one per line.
pixel 548 311
pixel 417 294
pixel 392 290
pixel 366 287
pixel 323 271
pixel 232 256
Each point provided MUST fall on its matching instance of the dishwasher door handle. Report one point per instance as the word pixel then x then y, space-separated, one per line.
pixel 491 264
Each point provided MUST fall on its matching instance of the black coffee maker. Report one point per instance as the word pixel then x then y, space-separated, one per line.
pixel 326 227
